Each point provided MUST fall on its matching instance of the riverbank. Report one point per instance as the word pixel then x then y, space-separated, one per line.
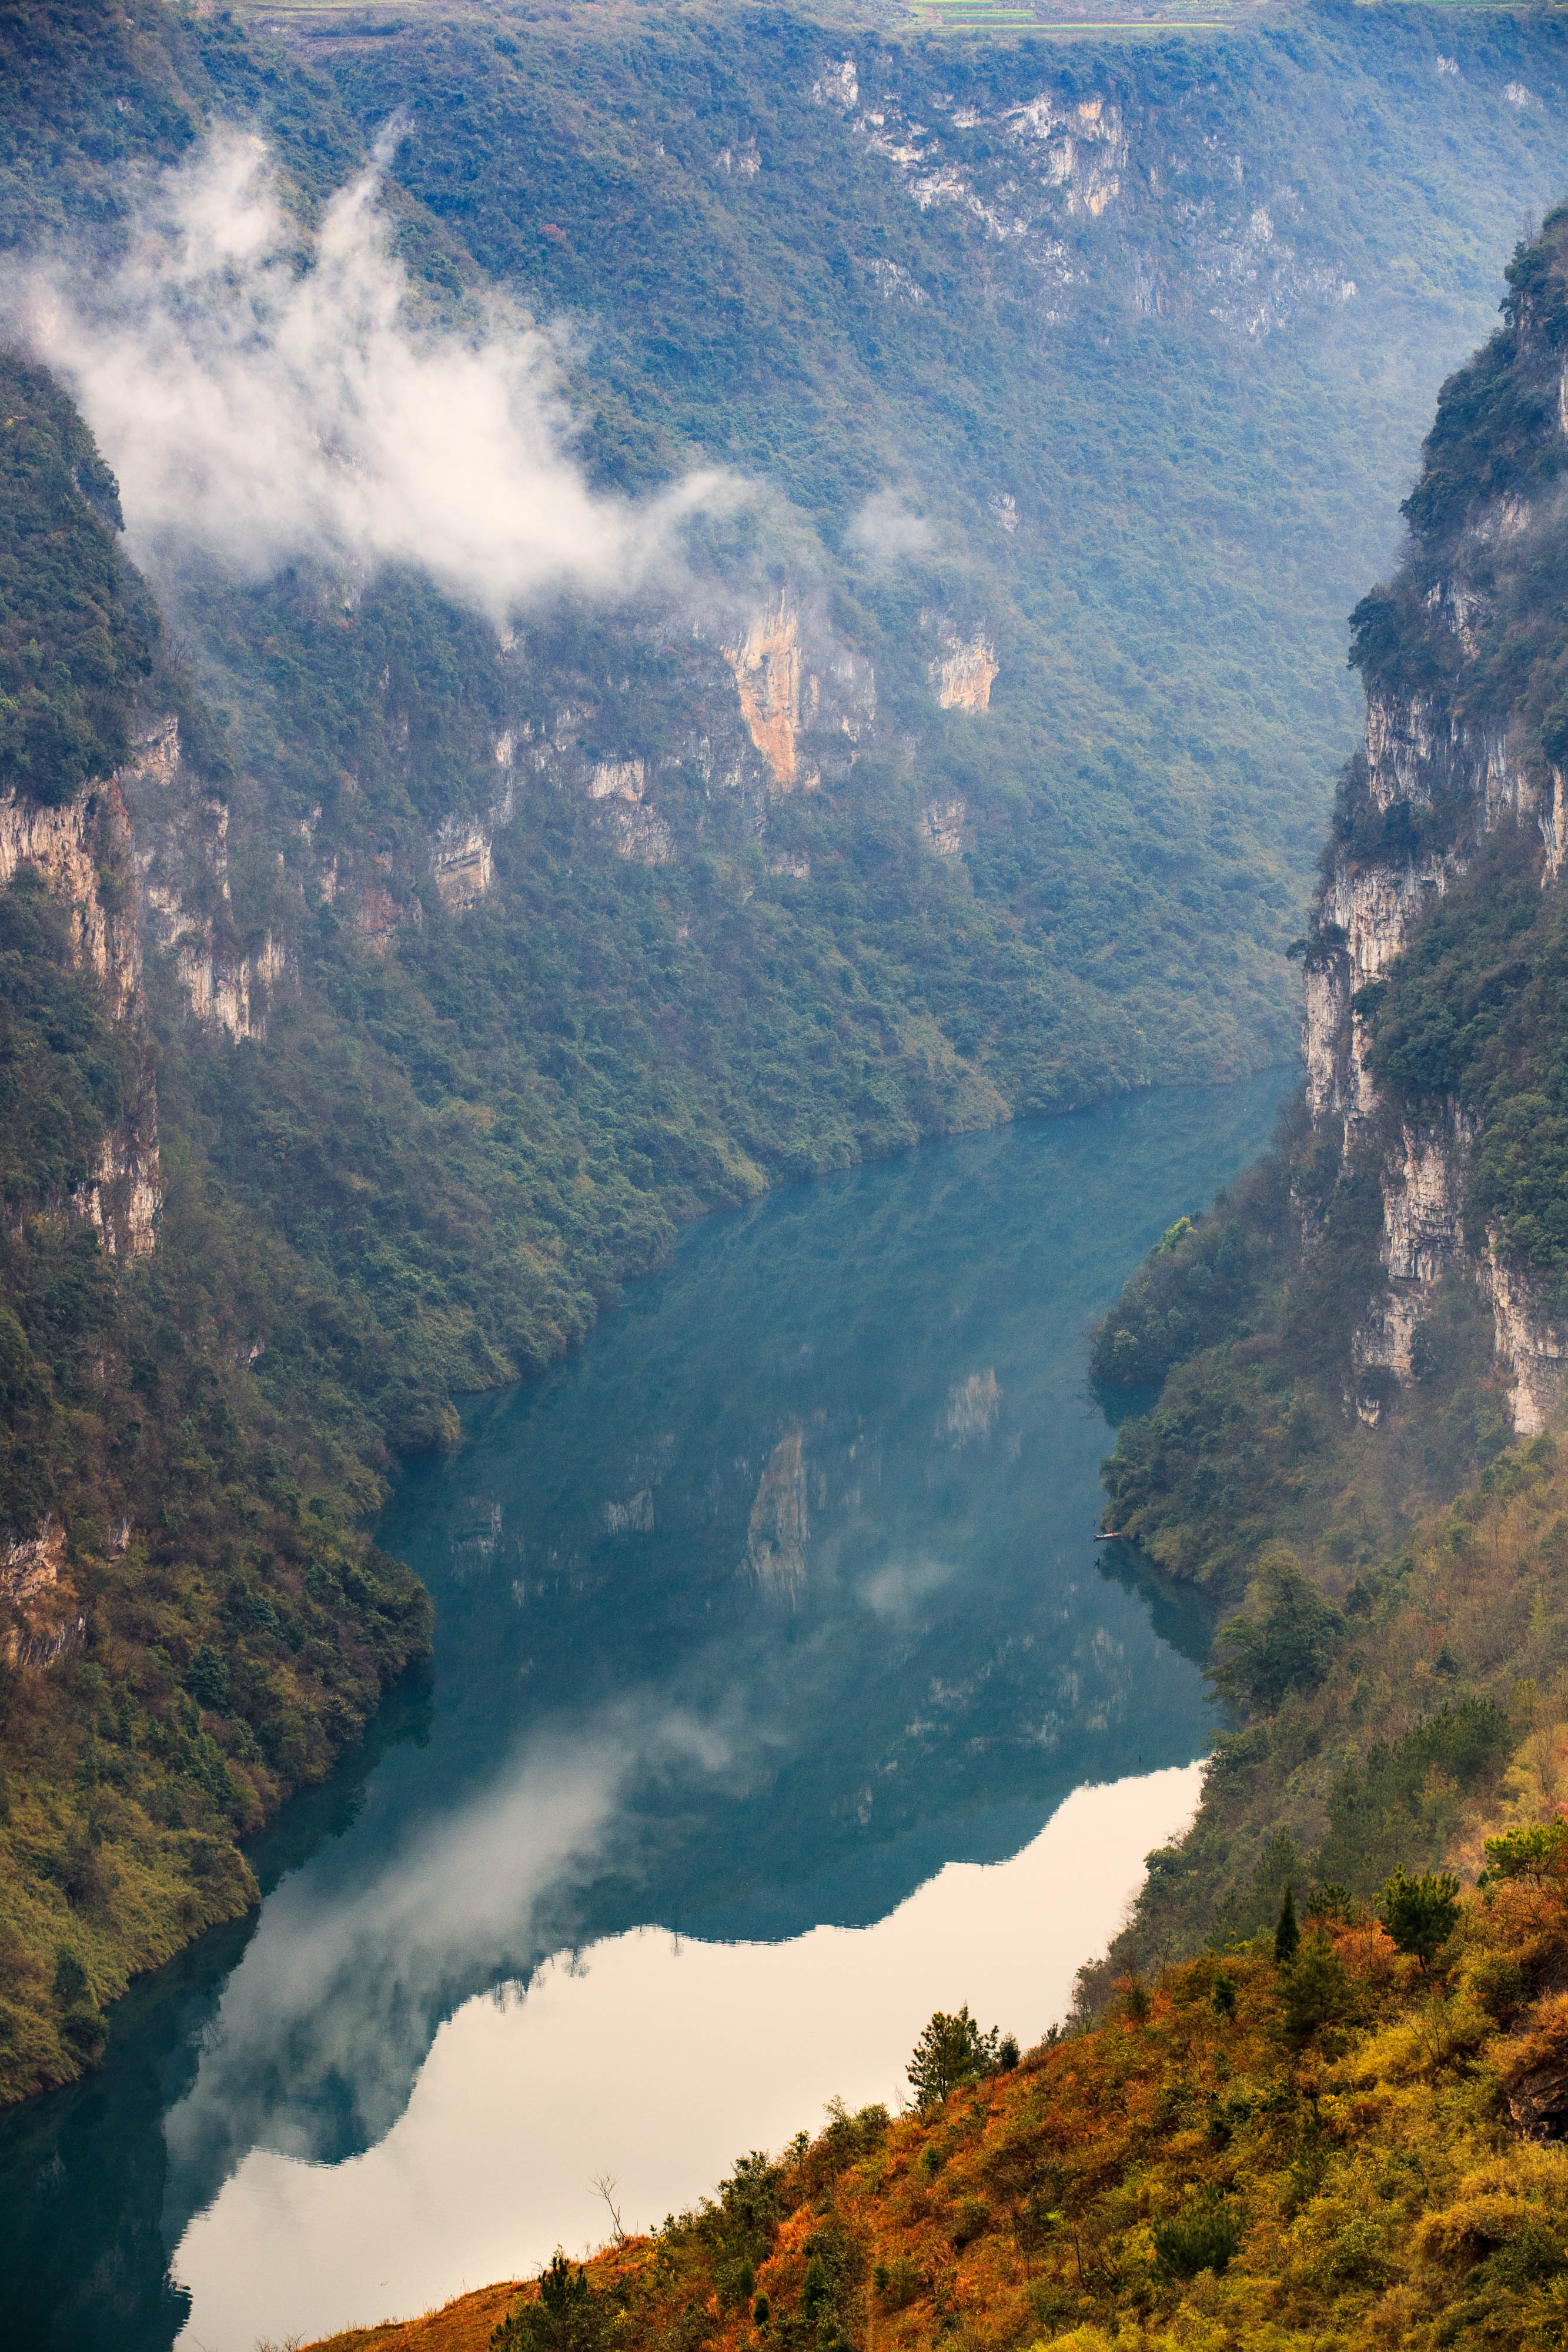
pixel 1332 2135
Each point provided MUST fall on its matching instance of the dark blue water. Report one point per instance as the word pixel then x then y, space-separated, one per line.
pixel 777 1599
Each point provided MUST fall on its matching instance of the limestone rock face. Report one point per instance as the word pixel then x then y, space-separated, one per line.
pixel 85 852
pixel 1421 755
pixel 1046 175
pixel 1366 914
pixel 795 682
pixel 41 1618
pixel 69 847
pixel 766 663
pixel 943 824
pixel 463 866
pixel 963 671
pixel 638 831
pixel 1536 1346
pixel 183 852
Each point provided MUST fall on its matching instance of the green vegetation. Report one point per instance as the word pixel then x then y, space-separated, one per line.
pixel 953 2051
pixel 1364 1735
pixel 465 1126
pixel 74 628
pixel 190 1624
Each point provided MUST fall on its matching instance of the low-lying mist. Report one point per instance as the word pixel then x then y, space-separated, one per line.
pixel 265 401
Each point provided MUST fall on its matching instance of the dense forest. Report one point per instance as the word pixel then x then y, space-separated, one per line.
pixel 385 986
pixel 1370 1316
pixel 1315 2093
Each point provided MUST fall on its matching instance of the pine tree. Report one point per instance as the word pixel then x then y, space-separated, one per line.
pixel 1287 1935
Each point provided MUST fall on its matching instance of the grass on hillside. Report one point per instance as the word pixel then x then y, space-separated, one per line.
pixel 1319 2151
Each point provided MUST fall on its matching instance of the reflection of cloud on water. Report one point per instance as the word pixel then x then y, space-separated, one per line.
pixel 655 2057
pixel 972 1406
pixel 323 2028
pixel 895 1590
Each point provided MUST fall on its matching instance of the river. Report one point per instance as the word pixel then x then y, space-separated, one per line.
pixel 780 1695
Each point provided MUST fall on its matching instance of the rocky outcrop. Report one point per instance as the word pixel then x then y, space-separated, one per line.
pixel 41 1617
pixel 1535 1346
pixel 792 680
pixel 639 832
pixel 1203 228
pixel 1422 758
pixel 767 667
pixel 944 825
pixel 182 845
pixel 85 852
pixel 463 866
pixel 964 669
pixel 1366 914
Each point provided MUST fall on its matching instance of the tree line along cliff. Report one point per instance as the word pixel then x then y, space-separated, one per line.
pixel 1373 1316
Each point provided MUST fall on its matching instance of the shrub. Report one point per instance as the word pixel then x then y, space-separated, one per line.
pixel 1284 1642
pixel 971 2220
pixel 951 2051
pixel 1317 1991
pixel 1421 1914
pixel 897 2282
pixel 569 2316
pixel 1525 1853
pixel 1203 2237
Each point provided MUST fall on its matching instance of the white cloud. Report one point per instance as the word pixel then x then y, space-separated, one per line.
pixel 264 405
pixel 884 529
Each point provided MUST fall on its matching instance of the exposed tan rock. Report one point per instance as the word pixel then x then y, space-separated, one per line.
pixel 42 1618
pixel 77 849
pixel 68 846
pixel 638 831
pixel 1081 149
pixel 1535 1346
pixel 964 670
pixel 1423 1199
pixel 767 666
pixel 463 868
pixel 376 918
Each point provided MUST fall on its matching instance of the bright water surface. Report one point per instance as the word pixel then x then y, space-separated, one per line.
pixel 780 1695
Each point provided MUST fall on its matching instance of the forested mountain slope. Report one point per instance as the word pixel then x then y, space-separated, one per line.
pixel 1317 2093
pixel 1377 1310
pixel 914 717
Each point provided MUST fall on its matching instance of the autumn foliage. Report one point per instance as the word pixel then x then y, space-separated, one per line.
pixel 1349 2149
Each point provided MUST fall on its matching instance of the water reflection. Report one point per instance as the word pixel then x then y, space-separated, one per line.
pixel 751 1620
pixel 710 2047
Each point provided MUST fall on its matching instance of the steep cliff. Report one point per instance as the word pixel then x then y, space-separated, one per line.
pixel 177 1650
pixel 1365 1321
pixel 471 960
pixel 1459 787
pixel 84 852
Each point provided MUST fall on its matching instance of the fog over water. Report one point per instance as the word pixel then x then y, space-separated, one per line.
pixel 780 1694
